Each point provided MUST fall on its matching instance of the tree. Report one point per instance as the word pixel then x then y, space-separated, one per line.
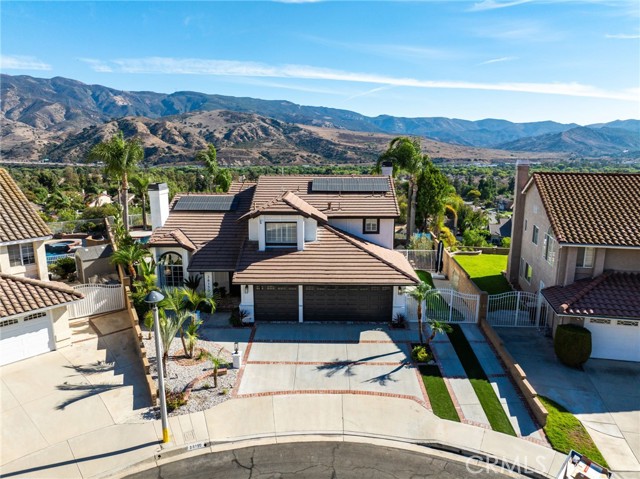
pixel 433 190
pixel 438 327
pixel 216 362
pixel 140 184
pixel 129 256
pixel 120 158
pixel 170 322
pixel 404 153
pixel 218 178
pixel 419 293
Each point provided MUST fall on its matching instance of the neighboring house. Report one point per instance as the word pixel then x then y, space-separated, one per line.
pixel 33 310
pixel 295 248
pixel 500 230
pixel 576 238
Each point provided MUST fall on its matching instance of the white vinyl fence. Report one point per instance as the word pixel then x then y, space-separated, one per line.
pixel 446 305
pixel 53 258
pixel 98 299
pixel 424 259
pixel 517 309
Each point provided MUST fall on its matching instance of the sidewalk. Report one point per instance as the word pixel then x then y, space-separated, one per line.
pixel 268 419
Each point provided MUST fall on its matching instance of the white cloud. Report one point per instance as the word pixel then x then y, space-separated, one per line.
pixel 97 65
pixel 493 4
pixel 195 66
pixel 21 62
pixel 623 36
pixel 393 50
pixel 499 60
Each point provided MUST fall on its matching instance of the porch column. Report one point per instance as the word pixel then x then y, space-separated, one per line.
pixel 300 304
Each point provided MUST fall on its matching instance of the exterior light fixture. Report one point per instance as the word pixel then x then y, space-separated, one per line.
pixel 235 348
pixel 246 289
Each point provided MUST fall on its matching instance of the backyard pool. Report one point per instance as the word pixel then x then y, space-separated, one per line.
pixel 62 247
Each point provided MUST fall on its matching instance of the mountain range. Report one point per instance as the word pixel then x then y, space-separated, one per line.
pixel 61 119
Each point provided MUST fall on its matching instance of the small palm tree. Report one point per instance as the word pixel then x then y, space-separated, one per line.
pixel 438 327
pixel 129 256
pixel 140 186
pixel 191 335
pixel 419 293
pixel 120 157
pixel 216 362
pixel 170 322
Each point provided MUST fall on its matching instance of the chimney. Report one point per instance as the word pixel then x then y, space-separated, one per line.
pixel 159 204
pixel 387 168
pixel 517 233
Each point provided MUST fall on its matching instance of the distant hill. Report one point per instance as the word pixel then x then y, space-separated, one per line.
pixel 37 114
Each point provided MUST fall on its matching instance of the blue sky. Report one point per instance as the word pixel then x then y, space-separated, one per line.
pixel 521 60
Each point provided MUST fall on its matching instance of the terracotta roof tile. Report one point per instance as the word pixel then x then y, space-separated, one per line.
pixel 612 294
pixel 592 208
pixel 335 258
pixel 175 237
pixel 332 204
pixel 20 295
pixel 18 219
pixel 288 203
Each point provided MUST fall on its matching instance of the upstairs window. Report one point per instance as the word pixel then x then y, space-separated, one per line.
pixel 371 226
pixel 281 234
pixel 534 237
pixel 549 247
pixel 585 257
pixel 21 254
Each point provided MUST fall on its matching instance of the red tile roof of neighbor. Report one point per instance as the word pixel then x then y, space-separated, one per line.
pixel 332 204
pixel 335 258
pixel 592 208
pixel 612 294
pixel 18 219
pixel 288 203
pixel 21 295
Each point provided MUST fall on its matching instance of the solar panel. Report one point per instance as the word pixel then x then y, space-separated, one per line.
pixel 206 203
pixel 353 185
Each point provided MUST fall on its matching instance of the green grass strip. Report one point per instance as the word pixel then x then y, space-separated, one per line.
pixel 486 395
pixel 485 270
pixel 565 432
pixel 439 397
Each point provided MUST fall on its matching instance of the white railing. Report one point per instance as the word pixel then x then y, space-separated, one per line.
pixel 136 220
pixel 53 258
pixel 514 309
pixel 98 299
pixel 446 305
pixel 424 259
pixel 76 226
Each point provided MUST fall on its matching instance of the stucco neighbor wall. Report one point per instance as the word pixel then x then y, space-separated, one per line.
pixel 622 259
pixel 39 270
pixel 61 330
pixel 354 227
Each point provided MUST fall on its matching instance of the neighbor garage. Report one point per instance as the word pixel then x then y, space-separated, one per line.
pixel 24 337
pixel 275 302
pixel 614 339
pixel 348 303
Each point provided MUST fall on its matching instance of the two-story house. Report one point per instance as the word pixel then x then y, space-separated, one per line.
pixel 295 248
pixel 33 310
pixel 576 239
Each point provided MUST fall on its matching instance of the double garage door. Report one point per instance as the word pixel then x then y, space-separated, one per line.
pixel 324 303
pixel 614 339
pixel 25 337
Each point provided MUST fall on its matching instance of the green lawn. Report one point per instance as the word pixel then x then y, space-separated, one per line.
pixel 488 400
pixel 486 271
pixel 565 432
pixel 438 393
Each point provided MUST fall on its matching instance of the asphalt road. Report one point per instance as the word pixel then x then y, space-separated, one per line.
pixel 319 460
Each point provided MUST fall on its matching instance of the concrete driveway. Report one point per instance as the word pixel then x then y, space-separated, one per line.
pixel 605 397
pixel 94 383
pixel 325 358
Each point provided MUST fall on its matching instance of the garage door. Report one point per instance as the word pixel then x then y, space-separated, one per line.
pixel 614 339
pixel 275 303
pixel 348 303
pixel 23 338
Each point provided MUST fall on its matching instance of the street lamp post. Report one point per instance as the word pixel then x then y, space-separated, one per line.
pixel 153 298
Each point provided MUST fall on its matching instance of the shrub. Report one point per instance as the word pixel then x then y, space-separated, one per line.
pixel 63 267
pixel 399 321
pixel 572 344
pixel 421 355
pixel 175 399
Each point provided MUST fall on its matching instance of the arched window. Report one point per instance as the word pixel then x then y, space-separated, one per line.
pixel 170 271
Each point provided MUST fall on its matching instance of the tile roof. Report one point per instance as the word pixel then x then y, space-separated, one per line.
pixel 592 208
pixel 216 235
pixel 288 203
pixel 335 258
pixel 612 294
pixel 175 237
pixel 18 219
pixel 332 204
pixel 20 295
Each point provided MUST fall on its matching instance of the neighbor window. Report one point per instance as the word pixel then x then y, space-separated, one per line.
pixel 281 234
pixel 371 225
pixel 534 237
pixel 585 257
pixel 526 271
pixel 549 247
pixel 21 254
pixel 170 270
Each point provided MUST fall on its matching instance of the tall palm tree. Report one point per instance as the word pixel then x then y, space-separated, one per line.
pixel 406 157
pixel 129 257
pixel 120 158
pixel 419 293
pixel 209 158
pixel 140 186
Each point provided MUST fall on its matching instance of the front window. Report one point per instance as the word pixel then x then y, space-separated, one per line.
pixel 534 237
pixel 21 254
pixel 585 257
pixel 371 225
pixel 170 271
pixel 281 234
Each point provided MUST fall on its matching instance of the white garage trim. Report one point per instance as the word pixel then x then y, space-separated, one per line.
pixel 617 339
pixel 25 336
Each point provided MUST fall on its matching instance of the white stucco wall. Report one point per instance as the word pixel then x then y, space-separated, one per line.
pixel 399 303
pixel 61 330
pixel 354 226
pixel 246 301
pixel 39 270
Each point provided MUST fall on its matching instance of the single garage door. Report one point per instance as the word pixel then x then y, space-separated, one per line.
pixel 348 303
pixel 23 338
pixel 275 303
pixel 614 339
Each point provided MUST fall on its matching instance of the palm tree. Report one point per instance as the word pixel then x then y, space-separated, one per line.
pixel 216 362
pixel 129 256
pixel 406 157
pixel 419 293
pixel 191 335
pixel 438 327
pixel 120 157
pixel 170 324
pixel 140 184
pixel 209 158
